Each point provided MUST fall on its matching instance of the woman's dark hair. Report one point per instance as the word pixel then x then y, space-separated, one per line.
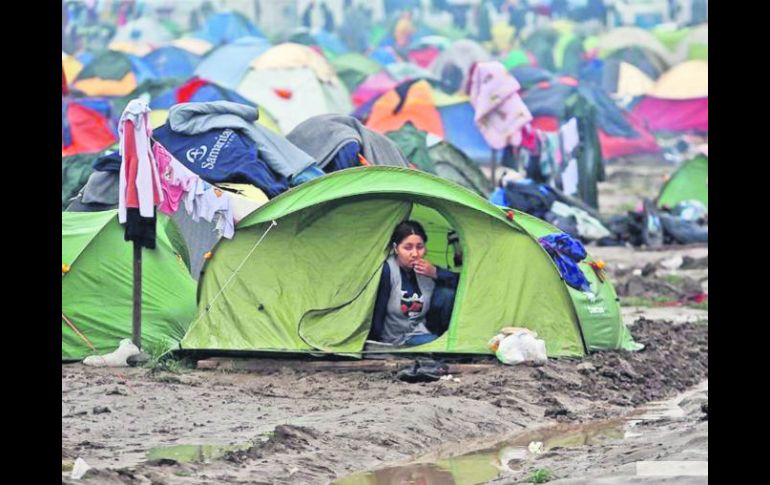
pixel 407 228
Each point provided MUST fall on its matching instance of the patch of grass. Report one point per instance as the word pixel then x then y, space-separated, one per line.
pixel 702 321
pixel 541 475
pixel 673 279
pixel 66 466
pixel 162 359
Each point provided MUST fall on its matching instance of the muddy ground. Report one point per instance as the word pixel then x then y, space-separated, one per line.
pixel 294 425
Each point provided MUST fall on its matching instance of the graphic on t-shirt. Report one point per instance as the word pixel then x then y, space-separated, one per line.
pixel 411 306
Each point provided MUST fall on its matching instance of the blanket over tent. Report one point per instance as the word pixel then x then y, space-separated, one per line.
pixel 280 155
pixel 323 136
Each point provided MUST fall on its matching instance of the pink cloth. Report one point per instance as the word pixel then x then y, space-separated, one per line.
pixel 500 111
pixel 175 179
pixel 373 86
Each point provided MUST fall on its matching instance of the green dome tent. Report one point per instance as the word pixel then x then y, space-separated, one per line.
pixel 308 283
pixel 689 182
pixel 97 288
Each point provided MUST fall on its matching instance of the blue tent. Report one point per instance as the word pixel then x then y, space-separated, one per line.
pixel 330 42
pixel 172 61
pixel 461 131
pixel 225 27
pixel 228 64
pixel 383 55
pixel 197 91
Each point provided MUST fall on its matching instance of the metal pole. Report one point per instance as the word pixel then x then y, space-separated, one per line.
pixel 494 165
pixel 137 320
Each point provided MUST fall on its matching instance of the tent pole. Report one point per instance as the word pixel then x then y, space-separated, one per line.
pixel 494 165
pixel 137 317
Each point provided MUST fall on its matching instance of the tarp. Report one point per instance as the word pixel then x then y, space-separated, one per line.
pixel 228 64
pixel 97 291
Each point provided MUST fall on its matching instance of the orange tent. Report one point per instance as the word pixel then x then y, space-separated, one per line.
pixel 390 112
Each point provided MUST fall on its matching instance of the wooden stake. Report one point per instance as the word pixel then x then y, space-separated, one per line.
pixel 137 320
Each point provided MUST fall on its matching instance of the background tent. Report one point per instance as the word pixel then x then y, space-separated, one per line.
pixel 113 74
pixel 353 68
pixel 225 27
pixel 695 46
pixel 619 133
pixel 280 304
pixel 71 66
pixel 689 182
pixel 86 126
pixel 678 102
pixel 172 62
pixel 147 30
pixel 625 37
pixel 294 83
pixel 651 64
pixel 227 64
pixel 97 291
pixel 453 65
pixel 196 46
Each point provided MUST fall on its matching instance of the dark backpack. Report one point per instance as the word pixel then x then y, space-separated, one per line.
pixel 534 199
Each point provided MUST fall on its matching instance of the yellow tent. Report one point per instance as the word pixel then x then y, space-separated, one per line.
pixel 632 81
pixel 688 80
pixel 71 66
pixel 290 55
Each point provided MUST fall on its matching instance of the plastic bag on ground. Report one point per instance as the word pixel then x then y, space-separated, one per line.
pixel 116 358
pixel 522 346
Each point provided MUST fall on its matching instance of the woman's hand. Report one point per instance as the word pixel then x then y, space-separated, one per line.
pixel 424 268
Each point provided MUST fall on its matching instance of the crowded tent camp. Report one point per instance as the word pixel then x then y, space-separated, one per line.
pixel 364 241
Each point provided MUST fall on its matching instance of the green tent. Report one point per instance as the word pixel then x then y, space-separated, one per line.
pixel 442 159
pixel 308 283
pixel 353 68
pixel 516 57
pixel 689 182
pixel 97 289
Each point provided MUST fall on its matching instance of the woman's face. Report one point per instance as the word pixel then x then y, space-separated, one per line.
pixel 408 251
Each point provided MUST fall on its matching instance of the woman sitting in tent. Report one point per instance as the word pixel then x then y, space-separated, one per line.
pixel 414 297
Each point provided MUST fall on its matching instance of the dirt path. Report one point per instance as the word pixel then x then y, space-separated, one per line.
pixel 314 428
